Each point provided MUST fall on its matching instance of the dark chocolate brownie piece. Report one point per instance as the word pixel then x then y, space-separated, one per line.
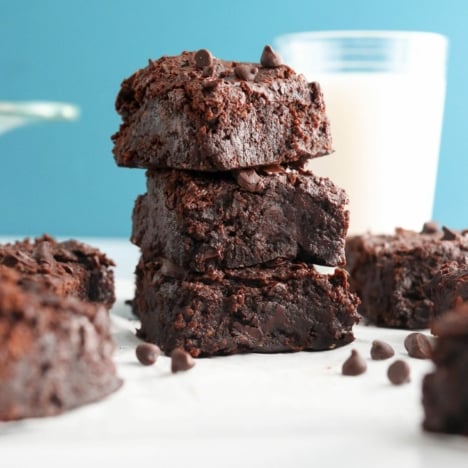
pixel 55 353
pixel 449 287
pixel 65 268
pixel 282 306
pixel 211 116
pixel 445 391
pixel 204 220
pixel 391 273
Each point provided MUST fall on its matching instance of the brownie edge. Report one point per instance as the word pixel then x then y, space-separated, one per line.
pixel 282 306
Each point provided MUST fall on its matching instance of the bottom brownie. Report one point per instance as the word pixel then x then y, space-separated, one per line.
pixel 282 306
pixel 445 391
pixel 55 353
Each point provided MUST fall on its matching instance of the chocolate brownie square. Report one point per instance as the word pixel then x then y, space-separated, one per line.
pixel 391 273
pixel 194 111
pixel 281 306
pixel 65 268
pixel 55 353
pixel 204 220
pixel 445 391
pixel 449 287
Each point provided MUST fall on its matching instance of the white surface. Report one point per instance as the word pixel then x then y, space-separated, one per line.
pixel 288 410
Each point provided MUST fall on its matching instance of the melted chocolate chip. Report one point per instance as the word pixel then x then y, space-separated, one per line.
pixel 249 180
pixel 398 372
pixel 181 360
pixel 270 59
pixel 354 365
pixel 418 346
pixel 170 269
pixel 147 353
pixel 449 234
pixel 431 227
pixel 203 58
pixel 381 350
pixel 246 72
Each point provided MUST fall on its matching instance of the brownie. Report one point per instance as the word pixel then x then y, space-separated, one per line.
pixel 449 287
pixel 212 116
pixel 392 273
pixel 445 391
pixel 65 268
pixel 56 352
pixel 275 307
pixel 204 220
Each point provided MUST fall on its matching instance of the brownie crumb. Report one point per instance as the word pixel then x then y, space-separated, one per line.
pixel 354 365
pixel 147 353
pixel 398 372
pixel 381 350
pixel 181 360
pixel 418 345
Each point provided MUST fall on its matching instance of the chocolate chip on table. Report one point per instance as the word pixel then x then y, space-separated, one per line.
pixel 203 58
pixel 354 365
pixel 181 360
pixel 418 345
pixel 381 350
pixel 246 72
pixel 398 372
pixel 147 353
pixel 270 58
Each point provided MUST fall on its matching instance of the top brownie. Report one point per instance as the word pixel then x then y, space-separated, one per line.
pixel 196 112
pixel 67 268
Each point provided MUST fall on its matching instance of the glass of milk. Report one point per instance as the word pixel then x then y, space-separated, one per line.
pixel 384 93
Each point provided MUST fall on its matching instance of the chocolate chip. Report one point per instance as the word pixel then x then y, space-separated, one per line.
pixel 246 72
pixel 449 234
pixel 418 346
pixel 270 59
pixel 354 365
pixel 43 252
pixel 203 58
pixel 249 180
pixel 181 360
pixel 381 350
pixel 430 227
pixel 170 269
pixel 398 372
pixel 147 353
pixel 275 169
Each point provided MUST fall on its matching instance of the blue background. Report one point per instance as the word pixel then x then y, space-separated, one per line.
pixel 61 178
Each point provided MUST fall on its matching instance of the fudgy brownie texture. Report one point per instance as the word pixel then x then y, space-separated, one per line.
pixel 67 268
pixel 449 287
pixel 445 391
pixel 202 220
pixel 55 353
pixel 391 273
pixel 215 115
pixel 281 306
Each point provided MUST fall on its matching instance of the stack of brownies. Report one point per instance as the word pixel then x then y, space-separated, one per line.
pixel 231 225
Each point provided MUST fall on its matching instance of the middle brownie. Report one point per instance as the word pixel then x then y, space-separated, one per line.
pixel 234 220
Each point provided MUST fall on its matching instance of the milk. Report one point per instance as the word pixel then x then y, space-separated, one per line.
pixel 386 129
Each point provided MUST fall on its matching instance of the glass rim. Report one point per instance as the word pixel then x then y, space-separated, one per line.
pixel 364 34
